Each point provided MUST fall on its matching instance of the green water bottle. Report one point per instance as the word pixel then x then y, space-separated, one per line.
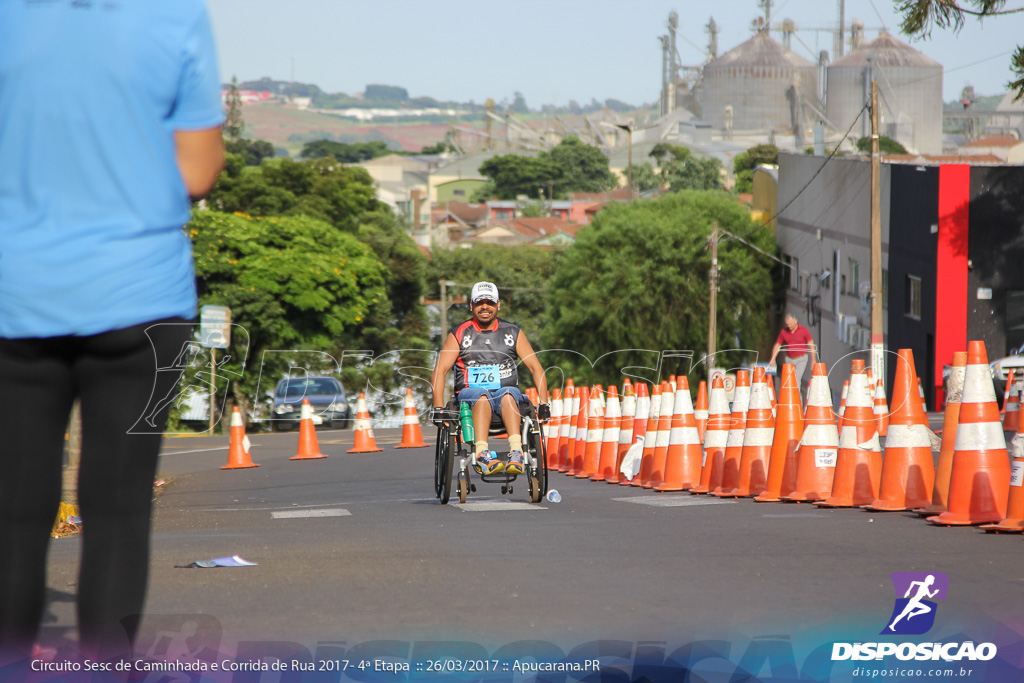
pixel 466 418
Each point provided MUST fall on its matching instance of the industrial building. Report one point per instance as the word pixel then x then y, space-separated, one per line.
pixel 951 242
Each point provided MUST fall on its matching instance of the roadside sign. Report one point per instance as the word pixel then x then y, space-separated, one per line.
pixel 728 380
pixel 215 327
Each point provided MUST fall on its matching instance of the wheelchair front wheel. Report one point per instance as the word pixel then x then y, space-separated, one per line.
pixel 463 487
pixel 444 464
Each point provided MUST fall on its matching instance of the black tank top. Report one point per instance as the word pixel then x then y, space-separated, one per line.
pixel 477 348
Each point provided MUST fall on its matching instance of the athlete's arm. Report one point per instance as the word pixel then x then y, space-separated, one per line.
pixel 526 352
pixel 445 361
pixel 200 157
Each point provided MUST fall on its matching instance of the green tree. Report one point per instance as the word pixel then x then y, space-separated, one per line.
pixel 637 278
pixel 745 163
pixel 920 16
pixel 391 93
pixel 537 209
pixel 519 103
pixel 645 178
pixel 234 124
pixel 681 169
pixel 886 145
pixel 345 152
pixel 294 284
pixel 570 166
pixel 520 272
pixel 252 151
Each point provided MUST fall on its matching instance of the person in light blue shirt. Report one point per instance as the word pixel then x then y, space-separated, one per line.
pixel 110 120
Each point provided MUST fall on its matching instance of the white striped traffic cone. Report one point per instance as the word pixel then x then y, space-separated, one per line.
pixel 412 435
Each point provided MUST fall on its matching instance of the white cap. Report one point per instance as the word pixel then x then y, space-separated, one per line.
pixel 484 290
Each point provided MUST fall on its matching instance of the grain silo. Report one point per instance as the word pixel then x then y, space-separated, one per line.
pixel 764 83
pixel 909 93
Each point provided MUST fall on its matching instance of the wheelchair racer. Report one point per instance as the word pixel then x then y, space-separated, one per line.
pixel 483 351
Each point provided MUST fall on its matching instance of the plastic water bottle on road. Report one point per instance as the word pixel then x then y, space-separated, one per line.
pixel 554 496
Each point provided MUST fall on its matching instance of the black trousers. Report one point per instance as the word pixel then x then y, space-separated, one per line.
pixel 116 376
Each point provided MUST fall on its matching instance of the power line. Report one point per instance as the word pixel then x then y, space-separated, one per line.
pixel 816 173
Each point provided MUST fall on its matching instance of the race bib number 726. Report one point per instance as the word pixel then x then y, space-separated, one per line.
pixel 484 377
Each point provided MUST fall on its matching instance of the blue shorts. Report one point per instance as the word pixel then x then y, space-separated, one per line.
pixel 471 394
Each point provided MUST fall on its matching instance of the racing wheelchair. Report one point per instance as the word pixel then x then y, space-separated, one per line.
pixel 451 447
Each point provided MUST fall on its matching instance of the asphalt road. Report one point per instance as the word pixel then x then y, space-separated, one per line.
pixel 353 552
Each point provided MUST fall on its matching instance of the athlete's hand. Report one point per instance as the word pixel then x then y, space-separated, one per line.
pixel 438 417
pixel 544 412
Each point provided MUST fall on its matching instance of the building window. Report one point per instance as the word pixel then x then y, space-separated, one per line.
pixel 854 278
pixel 913 302
pixel 502 214
pixel 458 193
pixel 794 272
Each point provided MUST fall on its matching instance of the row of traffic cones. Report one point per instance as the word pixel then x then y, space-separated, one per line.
pixel 239 450
pixel 773 453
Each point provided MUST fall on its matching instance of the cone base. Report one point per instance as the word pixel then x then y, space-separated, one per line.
pixel 930 511
pixel 669 487
pixel 842 503
pixel 700 490
pixel 238 467
pixel 891 505
pixel 361 450
pixel 315 456
pixel 947 519
pixel 804 497
pixel 768 498
pixel 412 445
pixel 1007 526
pixel 597 477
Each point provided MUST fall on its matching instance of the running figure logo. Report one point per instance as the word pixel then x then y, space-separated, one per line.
pixel 914 613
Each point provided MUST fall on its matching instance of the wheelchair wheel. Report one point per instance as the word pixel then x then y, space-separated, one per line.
pixel 443 465
pixel 539 472
pixel 463 487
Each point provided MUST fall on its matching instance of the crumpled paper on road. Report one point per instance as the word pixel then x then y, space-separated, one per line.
pixel 233 561
pixel 631 460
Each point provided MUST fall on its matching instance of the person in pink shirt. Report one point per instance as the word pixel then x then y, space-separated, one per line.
pixel 796 340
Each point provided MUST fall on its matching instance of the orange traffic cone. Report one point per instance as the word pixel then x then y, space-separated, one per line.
pixel 881 410
pixel 716 438
pixel 1011 421
pixel 842 405
pixel 656 476
pixel 412 435
pixel 650 434
pixel 364 441
pixel 643 410
pixel 920 391
pixel 770 380
pixel 683 461
pixel 610 439
pixel 567 434
pixel 980 479
pixel 1014 522
pixel 954 390
pixel 819 444
pixel 908 471
pixel 625 431
pixel 789 428
pixel 859 467
pixel 1006 393
pixel 595 433
pixel 658 436
pixel 757 441
pixel 238 452
pixel 737 428
pixel 700 409
pixel 533 396
pixel 554 428
pixel 309 449
pixel 578 448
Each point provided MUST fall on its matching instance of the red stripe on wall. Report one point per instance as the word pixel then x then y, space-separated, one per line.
pixel 951 266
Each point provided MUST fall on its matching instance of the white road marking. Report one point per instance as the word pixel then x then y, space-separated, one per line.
pixel 674 501
pixel 322 512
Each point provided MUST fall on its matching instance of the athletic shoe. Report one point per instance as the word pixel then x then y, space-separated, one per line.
pixel 515 463
pixel 488 463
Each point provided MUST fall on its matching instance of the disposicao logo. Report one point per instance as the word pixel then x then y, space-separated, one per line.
pixel 914 612
pixel 913 615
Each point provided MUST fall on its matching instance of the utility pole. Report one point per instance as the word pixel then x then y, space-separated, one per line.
pixel 877 333
pixel 713 298
pixel 444 308
pixel 628 127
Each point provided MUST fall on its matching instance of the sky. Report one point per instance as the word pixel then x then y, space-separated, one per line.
pixel 552 51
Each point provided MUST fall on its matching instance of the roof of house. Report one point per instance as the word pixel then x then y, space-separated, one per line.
pixel 618 193
pixel 467 213
pixel 1000 141
pixel 942 158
